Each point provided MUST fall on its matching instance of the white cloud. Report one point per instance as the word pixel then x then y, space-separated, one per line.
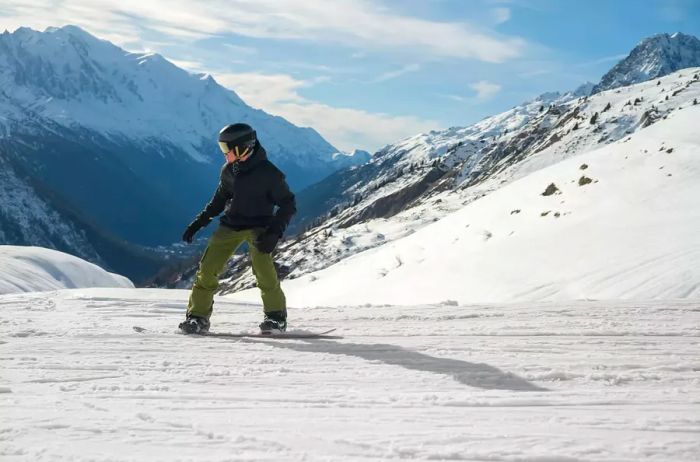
pixel 40 14
pixel 263 90
pixel 345 128
pixel 606 59
pixel 240 50
pixel 349 129
pixel 357 23
pixel 453 97
pixel 501 14
pixel 397 73
pixel 485 89
pixel 192 66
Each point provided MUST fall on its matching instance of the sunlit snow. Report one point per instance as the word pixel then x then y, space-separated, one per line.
pixel 33 269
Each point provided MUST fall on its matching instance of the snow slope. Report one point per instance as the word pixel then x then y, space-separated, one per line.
pixel 388 200
pixel 631 233
pixel 34 269
pixel 565 382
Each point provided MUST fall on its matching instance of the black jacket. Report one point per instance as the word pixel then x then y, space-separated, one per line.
pixel 248 193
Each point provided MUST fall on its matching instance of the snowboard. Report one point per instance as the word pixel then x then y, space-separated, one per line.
pixel 282 335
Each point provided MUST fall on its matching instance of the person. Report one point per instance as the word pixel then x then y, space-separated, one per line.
pixel 249 190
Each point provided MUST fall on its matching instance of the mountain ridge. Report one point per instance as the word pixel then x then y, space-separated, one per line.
pixel 653 57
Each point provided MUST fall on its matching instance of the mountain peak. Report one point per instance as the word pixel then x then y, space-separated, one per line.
pixel 70 29
pixel 24 34
pixel 667 37
pixel 653 57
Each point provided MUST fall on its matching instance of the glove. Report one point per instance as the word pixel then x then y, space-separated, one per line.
pixel 266 241
pixel 192 229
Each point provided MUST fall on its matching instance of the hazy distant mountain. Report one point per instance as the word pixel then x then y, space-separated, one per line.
pixel 357 157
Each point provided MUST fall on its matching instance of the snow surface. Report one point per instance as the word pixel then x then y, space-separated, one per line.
pixel 632 233
pixel 34 269
pixel 574 381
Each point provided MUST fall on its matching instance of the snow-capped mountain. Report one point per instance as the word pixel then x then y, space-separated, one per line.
pixel 91 133
pixel 74 79
pixel 422 179
pixel 617 222
pixel 653 57
pixel 413 159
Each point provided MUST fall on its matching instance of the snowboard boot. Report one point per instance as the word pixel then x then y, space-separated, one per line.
pixel 274 322
pixel 194 325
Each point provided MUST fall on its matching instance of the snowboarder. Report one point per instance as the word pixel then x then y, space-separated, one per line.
pixel 249 189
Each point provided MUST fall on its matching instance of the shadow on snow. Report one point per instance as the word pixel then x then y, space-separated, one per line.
pixel 477 375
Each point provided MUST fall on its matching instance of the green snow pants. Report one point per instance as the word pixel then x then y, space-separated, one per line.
pixel 222 245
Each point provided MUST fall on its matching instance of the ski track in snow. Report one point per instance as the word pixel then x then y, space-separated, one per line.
pixel 574 381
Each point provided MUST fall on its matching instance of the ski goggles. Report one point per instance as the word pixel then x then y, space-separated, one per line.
pixel 239 150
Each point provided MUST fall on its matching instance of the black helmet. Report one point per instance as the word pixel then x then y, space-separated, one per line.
pixel 234 135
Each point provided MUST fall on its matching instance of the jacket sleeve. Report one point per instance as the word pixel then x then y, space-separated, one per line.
pixel 284 199
pixel 215 206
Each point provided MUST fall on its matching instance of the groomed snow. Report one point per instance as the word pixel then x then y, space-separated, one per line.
pixel 564 381
pixel 34 269
pixel 631 233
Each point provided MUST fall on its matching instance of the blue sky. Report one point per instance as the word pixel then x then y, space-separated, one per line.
pixel 368 73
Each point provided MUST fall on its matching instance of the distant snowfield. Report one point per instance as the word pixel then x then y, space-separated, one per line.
pixel 631 233
pixel 32 269
pixel 547 381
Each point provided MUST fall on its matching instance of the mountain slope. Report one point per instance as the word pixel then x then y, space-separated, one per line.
pixel 622 223
pixel 33 215
pixel 421 180
pixel 653 57
pixel 418 163
pixel 25 217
